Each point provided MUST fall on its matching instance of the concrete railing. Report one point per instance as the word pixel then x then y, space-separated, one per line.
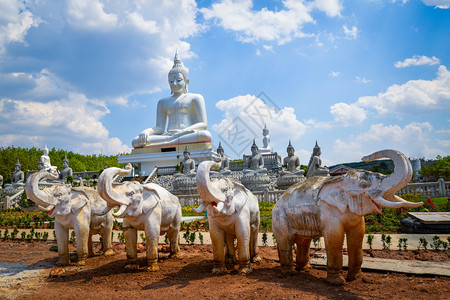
pixel 440 188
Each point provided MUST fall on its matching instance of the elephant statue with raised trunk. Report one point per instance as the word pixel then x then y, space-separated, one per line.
pixel 333 207
pixel 233 212
pixel 72 208
pixel 147 207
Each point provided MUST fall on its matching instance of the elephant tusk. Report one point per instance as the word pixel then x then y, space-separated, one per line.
pixel 219 207
pixel 390 204
pixel 47 209
pixel 103 212
pixel 122 209
pixel 199 209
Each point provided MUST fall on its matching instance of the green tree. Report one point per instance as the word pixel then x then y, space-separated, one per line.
pixel 438 169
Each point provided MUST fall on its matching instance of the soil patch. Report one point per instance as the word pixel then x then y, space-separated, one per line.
pixel 189 277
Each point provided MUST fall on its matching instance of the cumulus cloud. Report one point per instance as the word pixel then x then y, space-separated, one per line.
pixel 348 115
pixel 352 33
pixel 245 117
pixel 414 95
pixel 414 140
pixel 90 14
pixel 267 25
pixel 15 21
pixel 417 60
pixel 67 123
pixel 443 4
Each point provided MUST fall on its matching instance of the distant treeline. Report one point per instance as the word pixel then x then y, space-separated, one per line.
pixel 29 159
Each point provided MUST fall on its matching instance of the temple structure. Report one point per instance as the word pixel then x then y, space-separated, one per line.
pixel 184 114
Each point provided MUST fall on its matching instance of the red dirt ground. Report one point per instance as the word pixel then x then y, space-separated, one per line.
pixel 189 277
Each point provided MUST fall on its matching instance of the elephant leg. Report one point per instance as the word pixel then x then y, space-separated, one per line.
pixel 130 235
pixel 254 250
pixel 90 248
pixel 62 239
pixel 355 238
pixel 230 253
pixel 218 239
pixel 302 257
pixel 106 234
pixel 334 240
pixel 243 242
pixel 172 235
pixel 82 234
pixel 284 247
pixel 152 238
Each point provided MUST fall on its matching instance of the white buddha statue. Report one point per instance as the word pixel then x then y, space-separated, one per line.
pixel 44 163
pixel 187 165
pixel 17 180
pixel 184 113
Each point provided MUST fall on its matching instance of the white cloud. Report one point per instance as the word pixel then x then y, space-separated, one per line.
pixel 268 48
pixel 443 4
pixel 267 25
pixel 414 95
pixel 90 14
pixel 417 60
pixel 347 115
pixel 350 34
pixel 15 25
pixel 334 74
pixel 414 140
pixel 244 119
pixel 361 80
pixel 66 123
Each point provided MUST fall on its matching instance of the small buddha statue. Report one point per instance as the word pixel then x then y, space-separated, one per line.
pixel 292 163
pixel 315 164
pixel 17 179
pixel 185 114
pixel 255 164
pixel 66 170
pixel 187 165
pixel 224 163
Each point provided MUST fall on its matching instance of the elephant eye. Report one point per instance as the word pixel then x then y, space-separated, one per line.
pixel 131 193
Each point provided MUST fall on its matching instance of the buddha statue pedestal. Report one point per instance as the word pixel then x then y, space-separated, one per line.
pixel 184 185
pixel 286 181
pixel 167 156
pixel 256 181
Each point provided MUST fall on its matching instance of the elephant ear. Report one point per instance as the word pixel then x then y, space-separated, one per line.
pixel 340 196
pixel 240 197
pixel 79 199
pixel 151 197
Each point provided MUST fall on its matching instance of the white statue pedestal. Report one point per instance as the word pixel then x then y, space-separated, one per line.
pixel 166 156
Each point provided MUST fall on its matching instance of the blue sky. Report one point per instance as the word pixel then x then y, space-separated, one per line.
pixel 358 76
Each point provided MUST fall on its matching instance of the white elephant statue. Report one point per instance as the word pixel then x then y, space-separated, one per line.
pixel 72 208
pixel 147 207
pixel 333 207
pixel 233 212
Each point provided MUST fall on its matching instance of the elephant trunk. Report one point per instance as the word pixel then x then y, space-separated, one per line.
pixel 399 178
pixel 106 190
pixel 43 198
pixel 209 192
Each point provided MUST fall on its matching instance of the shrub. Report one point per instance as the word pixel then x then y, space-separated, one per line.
pixel 166 239
pixel 45 236
pixel 192 238
pixel 186 236
pixel 121 237
pixel 23 235
pixel 264 239
pixel 200 237
pixel 73 238
pixel 14 233
pixel 423 243
pixel 436 243
pixel 316 243
pixel 143 238
pixel 37 235
pixel 6 234
pixel 274 239
pixel 370 241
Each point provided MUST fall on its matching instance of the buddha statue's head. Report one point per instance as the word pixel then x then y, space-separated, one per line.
pixel 178 77
pixel 46 151
pixel 290 149
pixel 65 162
pixel 254 148
pixel 317 151
pixel 220 150
pixel 186 154
pixel 17 166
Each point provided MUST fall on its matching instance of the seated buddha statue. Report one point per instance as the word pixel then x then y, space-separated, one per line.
pixel 255 164
pixel 224 163
pixel 292 163
pixel 17 180
pixel 66 170
pixel 315 164
pixel 187 165
pixel 183 112
pixel 44 163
